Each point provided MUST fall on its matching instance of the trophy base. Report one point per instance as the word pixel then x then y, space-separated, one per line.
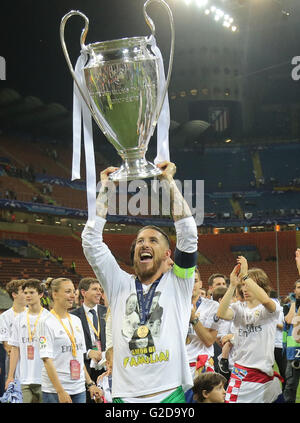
pixel 132 169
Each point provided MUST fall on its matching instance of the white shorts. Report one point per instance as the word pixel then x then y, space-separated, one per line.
pixel 251 386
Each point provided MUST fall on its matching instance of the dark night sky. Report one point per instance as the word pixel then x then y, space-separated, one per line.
pixel 29 34
pixel 30 40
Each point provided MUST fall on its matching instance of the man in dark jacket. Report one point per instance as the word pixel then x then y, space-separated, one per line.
pixel 92 315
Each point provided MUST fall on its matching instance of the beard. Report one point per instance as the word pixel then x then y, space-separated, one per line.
pixel 145 273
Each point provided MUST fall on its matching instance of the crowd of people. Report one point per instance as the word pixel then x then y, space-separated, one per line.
pixel 153 336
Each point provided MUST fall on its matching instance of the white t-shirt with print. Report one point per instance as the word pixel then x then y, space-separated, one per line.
pixel 255 336
pixel 6 323
pixel 159 363
pixel 30 370
pixel 56 344
pixel 206 313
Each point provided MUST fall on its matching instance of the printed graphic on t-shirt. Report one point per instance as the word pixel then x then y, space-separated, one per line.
pixel 141 337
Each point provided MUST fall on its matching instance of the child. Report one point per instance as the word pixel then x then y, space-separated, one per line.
pixel 104 381
pixel 209 388
pixel 25 343
pixel 226 334
pixel 252 378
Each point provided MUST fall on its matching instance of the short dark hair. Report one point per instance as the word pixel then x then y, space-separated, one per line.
pixel 85 283
pixel 213 276
pixel 206 382
pixel 132 248
pixel 297 281
pixel 156 228
pixel 13 286
pixel 35 284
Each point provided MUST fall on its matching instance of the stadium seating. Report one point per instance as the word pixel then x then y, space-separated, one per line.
pixel 281 162
pixel 231 166
pixel 23 268
pixel 217 249
pixel 23 153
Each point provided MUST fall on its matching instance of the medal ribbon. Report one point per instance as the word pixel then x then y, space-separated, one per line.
pixel 71 336
pixel 96 332
pixel 145 301
pixel 31 334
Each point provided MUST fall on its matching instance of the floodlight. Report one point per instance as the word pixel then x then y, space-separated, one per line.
pixel 201 3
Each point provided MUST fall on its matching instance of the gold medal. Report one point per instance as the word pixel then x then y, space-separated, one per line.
pixel 142 331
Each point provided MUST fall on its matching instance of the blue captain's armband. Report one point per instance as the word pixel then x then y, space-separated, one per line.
pixel 184 264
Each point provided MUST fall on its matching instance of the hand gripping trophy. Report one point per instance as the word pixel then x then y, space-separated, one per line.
pixel 122 85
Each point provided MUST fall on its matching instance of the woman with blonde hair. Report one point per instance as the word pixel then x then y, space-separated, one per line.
pixel 62 347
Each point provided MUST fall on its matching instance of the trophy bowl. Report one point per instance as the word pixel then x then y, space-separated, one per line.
pixel 121 85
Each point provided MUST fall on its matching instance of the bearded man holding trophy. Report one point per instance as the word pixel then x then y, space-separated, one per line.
pixel 121 84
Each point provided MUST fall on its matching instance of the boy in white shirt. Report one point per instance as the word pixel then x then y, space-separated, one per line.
pixel 252 377
pixel 24 343
pixel 15 291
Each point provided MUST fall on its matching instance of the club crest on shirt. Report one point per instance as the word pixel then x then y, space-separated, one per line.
pixel 42 342
pixel 257 314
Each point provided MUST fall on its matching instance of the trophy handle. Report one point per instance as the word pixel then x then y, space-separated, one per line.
pixel 83 48
pixel 150 23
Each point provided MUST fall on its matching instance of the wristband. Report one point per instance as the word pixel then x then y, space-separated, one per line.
pixel 88 385
pixel 245 277
pixel 195 321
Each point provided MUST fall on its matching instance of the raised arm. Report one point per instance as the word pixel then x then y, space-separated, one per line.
pixel 179 207
pixel 102 199
pixel 224 312
pixel 96 251
pixel 253 287
pixel 185 255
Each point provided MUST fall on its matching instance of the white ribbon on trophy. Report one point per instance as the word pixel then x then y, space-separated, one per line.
pixel 163 123
pixel 81 113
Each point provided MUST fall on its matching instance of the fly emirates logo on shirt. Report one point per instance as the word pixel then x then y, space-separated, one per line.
pixel 245 332
pixel 146 356
pixel 63 348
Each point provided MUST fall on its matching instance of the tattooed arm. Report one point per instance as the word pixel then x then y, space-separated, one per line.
pixel 102 199
pixel 179 206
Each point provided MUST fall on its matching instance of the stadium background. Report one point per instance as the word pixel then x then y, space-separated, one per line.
pixel 235 115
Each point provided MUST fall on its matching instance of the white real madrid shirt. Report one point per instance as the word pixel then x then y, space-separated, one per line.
pixel 206 313
pixel 55 344
pixel 6 323
pixel 255 336
pixel 161 364
pixel 30 370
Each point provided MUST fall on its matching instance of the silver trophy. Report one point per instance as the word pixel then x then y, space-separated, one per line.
pixel 121 87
